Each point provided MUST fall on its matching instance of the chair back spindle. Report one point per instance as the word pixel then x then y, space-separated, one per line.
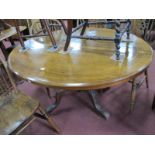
pixel 7 83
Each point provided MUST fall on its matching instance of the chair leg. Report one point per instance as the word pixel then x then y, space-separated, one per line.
pixel 146 78
pixel 23 126
pixel 133 95
pixel 50 120
pixel 19 34
pixel 69 33
pixel 50 33
pixel 153 104
pixel 84 27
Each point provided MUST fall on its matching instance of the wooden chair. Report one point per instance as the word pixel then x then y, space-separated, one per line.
pixel 138 29
pixel 35 27
pixel 43 27
pixel 144 28
pixel 149 36
pixel 17 110
pixel 6 51
pixel 136 85
pixel 116 39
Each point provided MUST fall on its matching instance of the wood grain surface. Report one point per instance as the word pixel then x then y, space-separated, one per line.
pixel 87 65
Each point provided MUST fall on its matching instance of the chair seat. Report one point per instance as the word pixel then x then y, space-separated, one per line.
pixel 15 109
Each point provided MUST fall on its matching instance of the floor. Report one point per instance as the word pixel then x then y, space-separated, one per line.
pixel 75 114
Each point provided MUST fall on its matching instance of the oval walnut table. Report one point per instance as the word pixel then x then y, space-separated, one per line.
pixel 87 65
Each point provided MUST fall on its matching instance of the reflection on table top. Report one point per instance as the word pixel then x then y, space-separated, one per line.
pixel 10 32
pixel 87 65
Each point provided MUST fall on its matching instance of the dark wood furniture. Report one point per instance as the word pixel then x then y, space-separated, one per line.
pixel 88 65
pixel 17 110
pixel 70 33
pixel 116 38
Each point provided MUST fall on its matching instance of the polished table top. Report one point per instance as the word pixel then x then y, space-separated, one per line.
pixel 88 64
pixel 10 32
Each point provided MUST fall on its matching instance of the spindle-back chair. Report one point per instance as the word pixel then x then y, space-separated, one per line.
pixel 17 110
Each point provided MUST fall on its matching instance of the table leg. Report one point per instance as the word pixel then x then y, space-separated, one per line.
pixel 98 108
pixel 53 106
pixel 95 101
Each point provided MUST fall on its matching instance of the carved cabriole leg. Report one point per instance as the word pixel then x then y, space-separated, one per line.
pixel 98 108
pixel 58 98
pixel 69 33
pixel 128 28
pixel 19 34
pixel 49 119
pixel 133 95
pixel 146 78
pixel 117 38
pixel 84 27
